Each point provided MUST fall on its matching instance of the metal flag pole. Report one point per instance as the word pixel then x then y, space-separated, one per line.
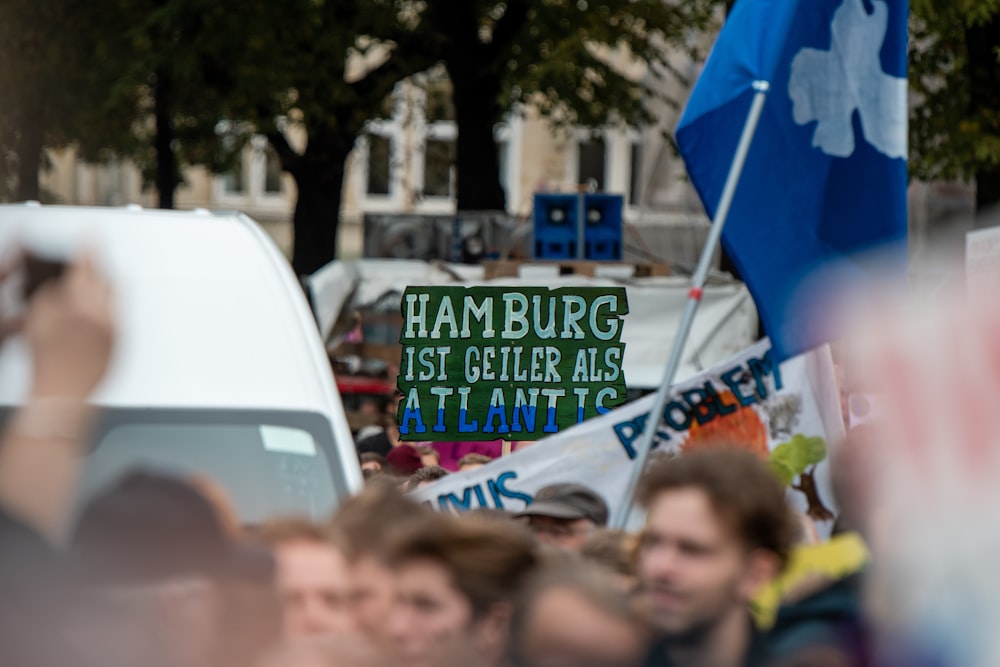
pixel 694 299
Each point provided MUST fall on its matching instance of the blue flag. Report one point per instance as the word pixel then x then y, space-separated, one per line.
pixel 825 177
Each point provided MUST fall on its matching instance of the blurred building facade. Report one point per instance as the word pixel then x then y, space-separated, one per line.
pixel 404 163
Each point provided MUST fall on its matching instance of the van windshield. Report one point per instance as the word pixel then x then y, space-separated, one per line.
pixel 268 463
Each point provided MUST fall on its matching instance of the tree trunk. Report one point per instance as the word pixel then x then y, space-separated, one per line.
pixel 984 99
pixel 477 160
pixel 29 157
pixel 167 176
pixel 316 222
pixel 987 196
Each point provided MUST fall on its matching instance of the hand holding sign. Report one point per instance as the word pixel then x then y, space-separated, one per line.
pixel 480 363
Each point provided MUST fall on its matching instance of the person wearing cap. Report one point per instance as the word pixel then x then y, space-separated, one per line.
pixel 404 460
pixel 565 515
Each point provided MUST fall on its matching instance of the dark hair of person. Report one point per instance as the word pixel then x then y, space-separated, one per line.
pixel 593 584
pixel 614 550
pixel 372 457
pixel 488 560
pixel 364 524
pixel 428 474
pixel 742 489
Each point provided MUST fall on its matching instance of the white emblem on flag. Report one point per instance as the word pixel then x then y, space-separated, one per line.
pixel 827 86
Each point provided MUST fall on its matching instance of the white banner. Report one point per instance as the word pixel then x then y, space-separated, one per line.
pixel 747 400
pixel 982 262
pixel 725 324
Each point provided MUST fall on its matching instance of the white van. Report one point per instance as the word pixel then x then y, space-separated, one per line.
pixel 219 370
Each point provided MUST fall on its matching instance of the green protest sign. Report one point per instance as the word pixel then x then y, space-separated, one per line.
pixel 518 363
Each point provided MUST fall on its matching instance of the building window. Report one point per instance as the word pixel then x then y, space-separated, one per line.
pixel 233 179
pixel 379 164
pixel 272 172
pixel 590 162
pixel 635 177
pixel 439 106
pixel 503 160
pixel 439 167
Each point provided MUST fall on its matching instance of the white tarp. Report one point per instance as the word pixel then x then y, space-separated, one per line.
pixel 799 398
pixel 726 322
pixel 982 262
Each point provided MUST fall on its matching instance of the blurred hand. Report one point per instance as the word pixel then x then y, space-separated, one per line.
pixel 69 327
pixel 10 322
pixel 924 476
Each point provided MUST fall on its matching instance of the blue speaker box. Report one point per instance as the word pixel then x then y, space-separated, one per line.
pixel 557 226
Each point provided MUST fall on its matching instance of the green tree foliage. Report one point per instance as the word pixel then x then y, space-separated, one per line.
pixel 797 459
pixel 139 79
pixel 320 69
pixel 171 67
pixel 49 86
pixel 559 55
pixel 23 76
pixel 955 80
pixel 156 80
pixel 790 459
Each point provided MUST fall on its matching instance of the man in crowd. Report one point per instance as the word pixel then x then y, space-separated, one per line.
pixel 364 525
pixel 565 515
pixel 456 580
pixel 576 615
pixel 372 464
pixel 384 441
pixel 313 579
pixel 717 531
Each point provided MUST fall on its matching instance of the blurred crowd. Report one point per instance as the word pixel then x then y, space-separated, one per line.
pixel 158 570
pixel 380 449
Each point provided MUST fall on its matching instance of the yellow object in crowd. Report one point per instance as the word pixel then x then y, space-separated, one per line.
pixel 809 568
